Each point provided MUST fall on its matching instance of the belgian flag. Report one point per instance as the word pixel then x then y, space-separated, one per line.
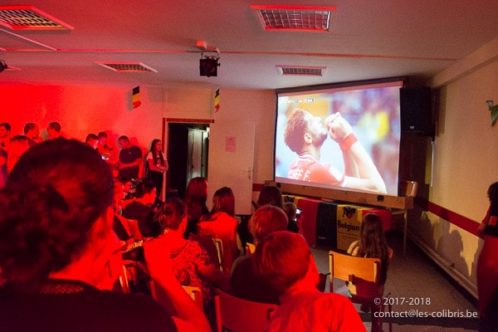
pixel 135 97
pixel 217 100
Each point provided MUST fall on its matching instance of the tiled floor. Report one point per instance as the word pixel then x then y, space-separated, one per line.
pixel 414 278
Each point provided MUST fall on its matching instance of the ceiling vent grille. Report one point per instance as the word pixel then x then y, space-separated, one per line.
pixel 29 18
pixel 300 70
pixel 131 67
pixel 294 18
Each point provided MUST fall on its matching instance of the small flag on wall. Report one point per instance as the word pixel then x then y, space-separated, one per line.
pixel 217 100
pixel 135 97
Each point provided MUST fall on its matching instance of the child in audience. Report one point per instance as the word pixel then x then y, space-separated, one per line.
pixel 284 261
pixel 373 244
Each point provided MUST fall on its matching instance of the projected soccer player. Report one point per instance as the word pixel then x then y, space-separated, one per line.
pixel 305 134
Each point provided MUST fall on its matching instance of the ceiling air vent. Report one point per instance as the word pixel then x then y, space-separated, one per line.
pixel 300 70
pixel 294 18
pixel 29 18
pixel 131 67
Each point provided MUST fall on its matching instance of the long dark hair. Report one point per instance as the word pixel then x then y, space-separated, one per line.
pixel 156 156
pixel 224 200
pixel 373 242
pixel 54 195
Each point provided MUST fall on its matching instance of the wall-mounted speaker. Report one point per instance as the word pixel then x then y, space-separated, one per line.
pixel 416 111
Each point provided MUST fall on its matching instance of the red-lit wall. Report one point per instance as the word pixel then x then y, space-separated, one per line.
pixel 83 109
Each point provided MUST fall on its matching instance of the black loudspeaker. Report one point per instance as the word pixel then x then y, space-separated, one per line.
pixel 208 67
pixel 416 111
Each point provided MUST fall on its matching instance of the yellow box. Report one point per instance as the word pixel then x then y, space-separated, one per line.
pixel 348 225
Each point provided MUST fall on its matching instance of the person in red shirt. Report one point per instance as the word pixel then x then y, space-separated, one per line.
pixel 284 261
pixel 305 134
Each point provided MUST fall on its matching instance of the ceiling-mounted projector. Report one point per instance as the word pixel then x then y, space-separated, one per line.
pixel 208 65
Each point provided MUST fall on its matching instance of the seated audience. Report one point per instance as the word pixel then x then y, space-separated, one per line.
pixel 56 250
pixel 190 262
pixel 142 209
pixel 373 244
pixel 244 282
pixel 195 204
pixel 221 224
pixel 120 224
pixel 284 261
pixel 273 196
pixel 54 130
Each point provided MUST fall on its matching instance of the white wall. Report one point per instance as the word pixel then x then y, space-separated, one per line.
pixel 465 162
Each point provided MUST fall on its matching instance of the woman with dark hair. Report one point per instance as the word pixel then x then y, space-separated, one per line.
pixel 157 165
pixel 221 224
pixel 57 245
pixel 273 196
pixel 487 264
pixel 195 205
pixel 372 244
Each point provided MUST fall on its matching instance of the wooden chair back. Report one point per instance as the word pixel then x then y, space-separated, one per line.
pixel 240 315
pixel 353 269
pixel 363 275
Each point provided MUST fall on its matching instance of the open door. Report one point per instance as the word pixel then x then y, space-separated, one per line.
pixel 231 161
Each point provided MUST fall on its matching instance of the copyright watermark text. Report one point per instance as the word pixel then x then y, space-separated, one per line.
pixel 415 313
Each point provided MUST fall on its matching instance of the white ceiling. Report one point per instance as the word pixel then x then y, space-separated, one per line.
pixel 368 39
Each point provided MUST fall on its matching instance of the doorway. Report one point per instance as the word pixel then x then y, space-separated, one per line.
pixel 188 147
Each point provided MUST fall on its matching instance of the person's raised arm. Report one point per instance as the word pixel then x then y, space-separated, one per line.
pixel 169 292
pixel 356 158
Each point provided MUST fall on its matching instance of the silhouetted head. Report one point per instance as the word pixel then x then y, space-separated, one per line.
pixel 54 196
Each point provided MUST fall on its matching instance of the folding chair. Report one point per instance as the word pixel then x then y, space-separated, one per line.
pixel 240 315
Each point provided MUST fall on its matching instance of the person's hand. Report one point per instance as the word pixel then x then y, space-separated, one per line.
pixel 338 127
